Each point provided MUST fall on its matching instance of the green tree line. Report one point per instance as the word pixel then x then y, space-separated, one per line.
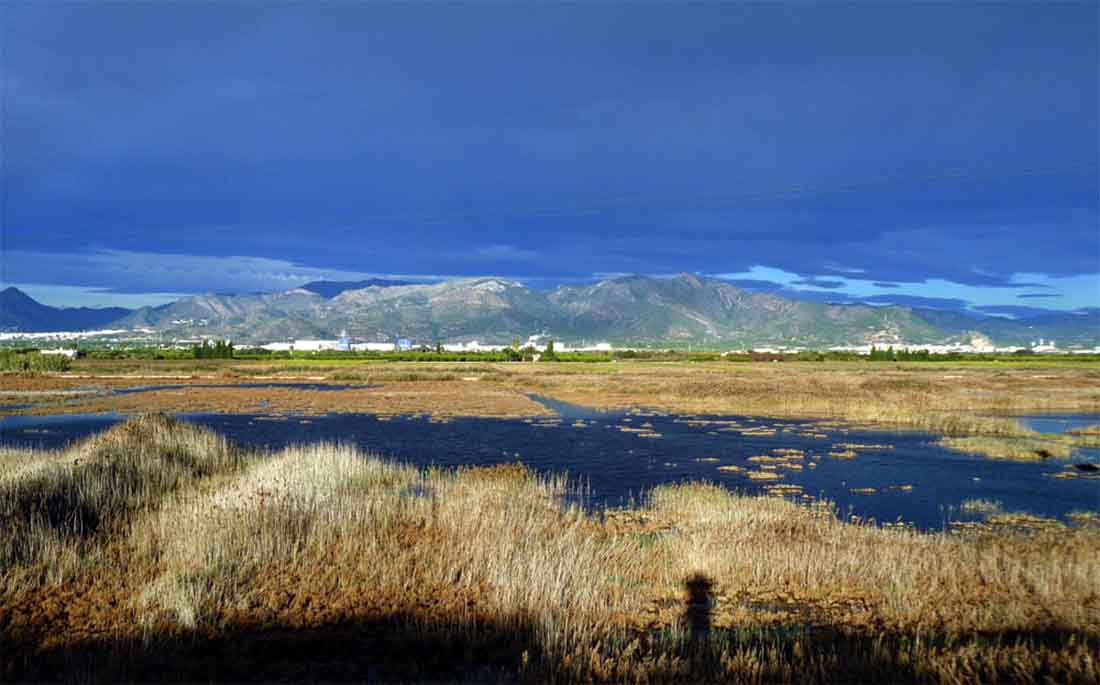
pixel 219 350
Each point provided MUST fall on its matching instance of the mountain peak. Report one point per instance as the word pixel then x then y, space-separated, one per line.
pixel 690 279
pixel 11 291
pixel 494 282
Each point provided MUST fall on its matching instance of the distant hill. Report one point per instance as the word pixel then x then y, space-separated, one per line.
pixel 21 312
pixel 710 311
pixel 634 310
pixel 295 313
pixel 1065 328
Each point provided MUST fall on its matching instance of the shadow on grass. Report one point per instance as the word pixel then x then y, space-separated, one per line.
pixel 397 647
pixel 697 607
pixel 406 648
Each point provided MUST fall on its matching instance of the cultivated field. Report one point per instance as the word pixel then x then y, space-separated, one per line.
pixel 158 550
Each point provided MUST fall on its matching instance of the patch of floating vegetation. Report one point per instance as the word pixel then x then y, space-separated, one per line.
pixel 730 468
pixel 707 460
pixel 980 505
pixel 640 432
pixel 764 475
pixel 856 446
pixel 899 488
pixel 766 459
pixel 843 454
pixel 783 490
pixel 762 431
pixel 863 491
pixel 1010 448
pixel 708 423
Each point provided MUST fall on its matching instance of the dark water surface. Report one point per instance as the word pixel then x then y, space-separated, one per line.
pixel 619 466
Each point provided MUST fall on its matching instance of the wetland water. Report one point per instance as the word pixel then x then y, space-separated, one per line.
pixel 887 476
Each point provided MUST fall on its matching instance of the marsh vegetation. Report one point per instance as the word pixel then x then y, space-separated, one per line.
pixel 14 361
pixel 158 549
pixel 954 399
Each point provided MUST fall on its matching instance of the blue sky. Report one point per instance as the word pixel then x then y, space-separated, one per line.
pixel 942 154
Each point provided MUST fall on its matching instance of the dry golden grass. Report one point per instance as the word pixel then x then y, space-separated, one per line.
pixel 56 506
pixel 1013 448
pixel 321 555
pixel 952 399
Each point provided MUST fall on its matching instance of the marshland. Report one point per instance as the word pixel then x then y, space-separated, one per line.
pixel 338 520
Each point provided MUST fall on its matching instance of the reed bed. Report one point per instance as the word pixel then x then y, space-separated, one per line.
pixel 1019 448
pixel 951 400
pixel 188 559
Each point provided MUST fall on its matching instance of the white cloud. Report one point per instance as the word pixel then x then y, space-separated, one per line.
pixel 1068 292
pixel 75 296
pixel 124 271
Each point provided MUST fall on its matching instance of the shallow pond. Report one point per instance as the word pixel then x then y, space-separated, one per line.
pixel 887 476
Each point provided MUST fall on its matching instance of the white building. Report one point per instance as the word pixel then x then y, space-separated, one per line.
pixel 1044 346
pixel 64 352
pixel 472 346
pixel 373 347
pixel 315 345
pixel 540 340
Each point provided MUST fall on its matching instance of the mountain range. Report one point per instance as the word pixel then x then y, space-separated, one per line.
pixel 634 310
pixel 20 312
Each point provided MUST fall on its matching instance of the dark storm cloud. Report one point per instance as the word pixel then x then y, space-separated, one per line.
pixel 892 143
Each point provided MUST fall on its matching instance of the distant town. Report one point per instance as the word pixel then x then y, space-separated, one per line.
pixel 68 343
